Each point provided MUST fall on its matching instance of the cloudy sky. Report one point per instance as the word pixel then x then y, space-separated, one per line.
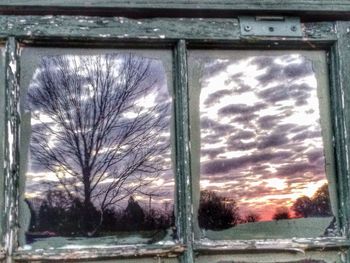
pixel 157 98
pixel 261 139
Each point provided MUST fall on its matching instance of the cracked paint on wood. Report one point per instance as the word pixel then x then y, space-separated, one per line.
pixel 139 8
pixel 11 167
pixel 184 193
pixel 30 28
pixel 132 251
pixel 300 245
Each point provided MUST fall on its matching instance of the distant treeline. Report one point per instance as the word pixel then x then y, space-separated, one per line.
pixel 75 219
pixel 217 212
pixel 60 216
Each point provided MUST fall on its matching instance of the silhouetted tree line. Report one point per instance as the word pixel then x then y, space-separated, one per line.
pixel 217 212
pixel 57 217
pixel 317 206
pixel 281 213
pixel 69 218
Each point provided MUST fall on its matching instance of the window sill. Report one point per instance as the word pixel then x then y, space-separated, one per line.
pixel 130 251
pixel 299 245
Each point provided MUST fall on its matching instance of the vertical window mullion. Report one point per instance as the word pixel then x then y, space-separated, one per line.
pixel 2 142
pixel 184 188
pixel 11 164
pixel 340 87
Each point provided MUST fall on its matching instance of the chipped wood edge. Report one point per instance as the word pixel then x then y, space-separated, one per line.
pixel 94 253
pixel 29 29
pixel 300 245
pixel 136 7
pixel 340 91
pixel 11 167
pixel 183 157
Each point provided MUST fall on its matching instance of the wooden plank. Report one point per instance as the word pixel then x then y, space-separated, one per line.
pixel 340 101
pixel 2 138
pixel 11 166
pixel 142 8
pixel 184 187
pixel 300 245
pixel 160 30
pixel 131 251
pixel 240 4
pixel 117 28
pixel 277 257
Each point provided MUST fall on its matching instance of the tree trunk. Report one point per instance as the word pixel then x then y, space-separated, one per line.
pixel 87 188
pixel 89 211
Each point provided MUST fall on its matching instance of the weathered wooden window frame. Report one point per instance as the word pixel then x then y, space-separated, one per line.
pixel 178 35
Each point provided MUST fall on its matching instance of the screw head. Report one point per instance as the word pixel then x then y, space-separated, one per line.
pixel 247 28
pixel 293 28
pixel 271 29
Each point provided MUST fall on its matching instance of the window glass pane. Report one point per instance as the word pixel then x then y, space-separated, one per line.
pixel 262 150
pixel 97 125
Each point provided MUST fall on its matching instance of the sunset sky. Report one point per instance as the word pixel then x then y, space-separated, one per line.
pixel 261 138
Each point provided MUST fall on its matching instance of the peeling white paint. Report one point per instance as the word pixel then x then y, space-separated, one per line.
pixel 166 243
pixel 47 17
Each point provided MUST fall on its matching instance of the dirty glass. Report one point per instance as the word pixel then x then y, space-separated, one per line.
pixel 263 163
pixel 97 128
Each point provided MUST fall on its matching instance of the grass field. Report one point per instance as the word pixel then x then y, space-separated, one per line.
pixel 117 238
pixel 289 228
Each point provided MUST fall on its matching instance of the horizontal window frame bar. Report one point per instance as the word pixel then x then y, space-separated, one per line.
pixel 130 251
pixel 296 245
pixel 31 29
pixel 308 10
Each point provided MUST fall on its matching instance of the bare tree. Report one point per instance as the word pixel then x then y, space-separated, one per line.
pixel 92 129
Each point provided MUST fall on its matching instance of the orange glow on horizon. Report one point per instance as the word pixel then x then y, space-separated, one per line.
pixel 266 205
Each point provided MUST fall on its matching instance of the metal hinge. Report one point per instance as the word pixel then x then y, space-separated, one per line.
pixel 270 26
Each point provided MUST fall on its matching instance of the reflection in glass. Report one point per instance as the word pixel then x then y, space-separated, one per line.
pixel 261 155
pixel 99 147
